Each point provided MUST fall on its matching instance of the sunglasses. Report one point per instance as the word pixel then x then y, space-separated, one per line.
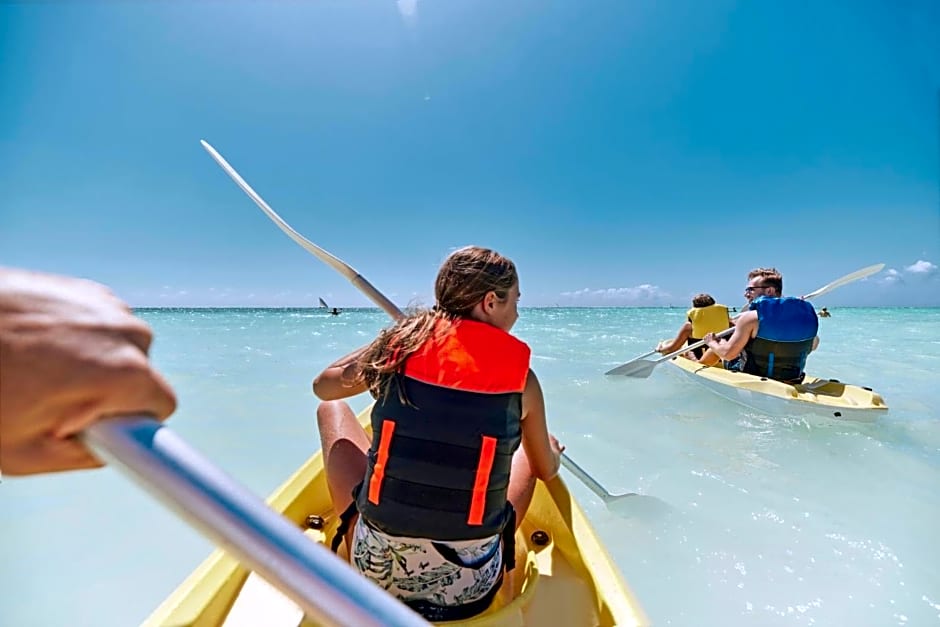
pixel 751 288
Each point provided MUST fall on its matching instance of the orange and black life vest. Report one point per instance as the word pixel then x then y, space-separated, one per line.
pixel 439 463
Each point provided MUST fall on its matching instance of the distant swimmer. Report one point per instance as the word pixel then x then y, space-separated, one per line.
pixel 824 313
pixel 335 312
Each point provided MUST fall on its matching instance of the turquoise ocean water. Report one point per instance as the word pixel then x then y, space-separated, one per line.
pixel 768 520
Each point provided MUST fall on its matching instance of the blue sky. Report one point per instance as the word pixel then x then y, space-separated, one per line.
pixel 622 153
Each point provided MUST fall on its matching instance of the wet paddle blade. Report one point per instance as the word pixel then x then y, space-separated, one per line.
pixel 640 369
pixel 640 507
pixel 631 362
pixel 849 278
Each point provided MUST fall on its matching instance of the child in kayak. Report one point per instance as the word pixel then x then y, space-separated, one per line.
pixel 705 317
pixel 430 503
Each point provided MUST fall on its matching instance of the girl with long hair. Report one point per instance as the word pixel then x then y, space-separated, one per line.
pixel 431 501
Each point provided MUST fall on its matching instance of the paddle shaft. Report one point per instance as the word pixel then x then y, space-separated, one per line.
pixel 691 347
pixel 845 280
pixel 328 258
pixel 328 589
pixel 588 480
pixel 641 367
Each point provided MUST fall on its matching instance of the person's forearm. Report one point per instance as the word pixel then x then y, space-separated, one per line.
pixel 723 349
pixel 672 346
pixel 345 360
pixel 340 379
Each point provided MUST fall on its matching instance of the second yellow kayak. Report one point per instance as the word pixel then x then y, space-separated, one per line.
pixel 822 397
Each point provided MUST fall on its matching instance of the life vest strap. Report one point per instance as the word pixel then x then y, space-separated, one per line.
pixel 378 471
pixel 478 504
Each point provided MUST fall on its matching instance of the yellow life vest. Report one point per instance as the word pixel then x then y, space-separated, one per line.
pixel 710 319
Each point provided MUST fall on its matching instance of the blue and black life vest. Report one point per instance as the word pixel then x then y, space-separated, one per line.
pixel 785 333
pixel 444 436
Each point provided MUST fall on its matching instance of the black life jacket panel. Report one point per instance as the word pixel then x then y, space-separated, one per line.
pixel 439 463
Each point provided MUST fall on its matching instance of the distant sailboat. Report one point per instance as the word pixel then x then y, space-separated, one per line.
pixel 323 304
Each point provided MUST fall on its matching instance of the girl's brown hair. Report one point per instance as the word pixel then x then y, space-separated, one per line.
pixel 465 278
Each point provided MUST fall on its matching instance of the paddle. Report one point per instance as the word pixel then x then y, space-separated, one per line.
pixel 848 278
pixel 625 367
pixel 337 264
pixel 364 286
pixel 327 588
pixel 641 368
pixel 593 485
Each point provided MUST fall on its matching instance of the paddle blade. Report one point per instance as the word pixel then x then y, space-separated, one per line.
pixel 617 370
pixel 639 369
pixel 849 278
pixel 640 507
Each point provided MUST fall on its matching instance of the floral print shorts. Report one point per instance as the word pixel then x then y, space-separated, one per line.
pixel 416 569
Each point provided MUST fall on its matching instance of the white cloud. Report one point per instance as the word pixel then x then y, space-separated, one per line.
pixel 891 277
pixel 646 294
pixel 921 267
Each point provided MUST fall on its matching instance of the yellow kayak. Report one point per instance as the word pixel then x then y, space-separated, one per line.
pixel 563 574
pixel 823 397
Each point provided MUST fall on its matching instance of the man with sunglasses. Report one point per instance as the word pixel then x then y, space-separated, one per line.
pixel 773 337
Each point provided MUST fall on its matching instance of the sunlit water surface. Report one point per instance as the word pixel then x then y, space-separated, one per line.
pixel 769 520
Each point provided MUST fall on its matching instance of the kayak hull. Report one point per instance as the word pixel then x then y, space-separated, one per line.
pixel 563 574
pixel 814 396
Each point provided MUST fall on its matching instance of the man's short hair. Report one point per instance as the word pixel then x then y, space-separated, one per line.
pixel 702 300
pixel 769 278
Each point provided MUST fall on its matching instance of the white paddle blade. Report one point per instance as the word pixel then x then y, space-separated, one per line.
pixel 328 258
pixel 619 369
pixel 325 256
pixel 638 368
pixel 639 507
pixel 848 278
